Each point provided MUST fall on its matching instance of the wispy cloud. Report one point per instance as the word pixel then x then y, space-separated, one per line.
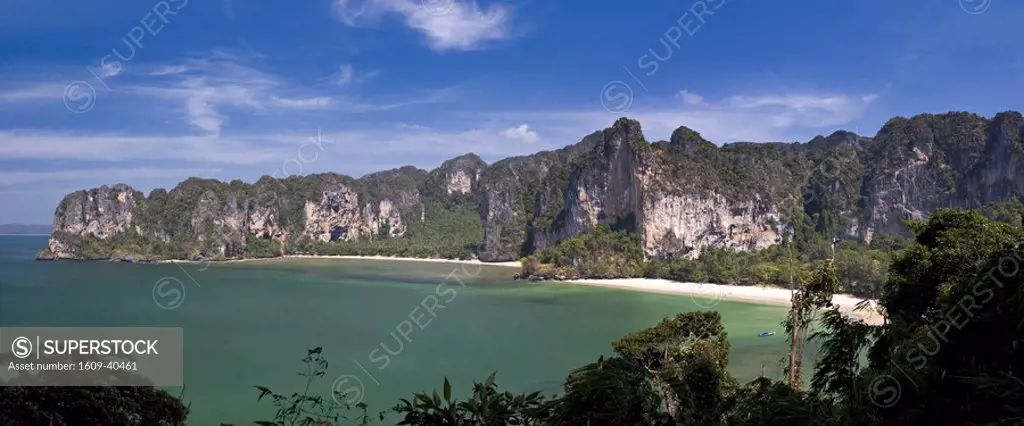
pixel 110 69
pixel 447 24
pixel 206 84
pixel 108 175
pixel 346 74
pixel 32 92
pixel 408 126
pixel 112 147
pixel 306 103
pixel 169 70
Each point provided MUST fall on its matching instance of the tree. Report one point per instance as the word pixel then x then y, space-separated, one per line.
pixel 955 304
pixel 486 407
pixel 815 295
pixel 310 409
pixel 674 370
pixel 96 405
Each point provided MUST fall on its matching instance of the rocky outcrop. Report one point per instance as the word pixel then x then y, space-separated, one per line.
pixel 100 212
pixel 263 223
pixel 680 196
pixel 335 216
pixel 674 225
pixel 459 176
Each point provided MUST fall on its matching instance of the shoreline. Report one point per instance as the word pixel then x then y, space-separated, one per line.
pixel 509 264
pixel 717 292
pixel 760 295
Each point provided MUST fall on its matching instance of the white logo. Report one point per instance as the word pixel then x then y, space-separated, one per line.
pixel 22 347
pixel 347 396
pixel 616 97
pixel 975 7
pixel 79 97
pixel 437 7
pixel 168 293
pixel 885 391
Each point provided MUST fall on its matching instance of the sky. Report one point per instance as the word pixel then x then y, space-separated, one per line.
pixel 148 93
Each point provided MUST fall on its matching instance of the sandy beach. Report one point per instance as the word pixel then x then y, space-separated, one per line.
pixel 717 292
pixel 510 264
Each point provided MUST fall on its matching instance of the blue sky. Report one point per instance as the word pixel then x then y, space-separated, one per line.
pixel 149 93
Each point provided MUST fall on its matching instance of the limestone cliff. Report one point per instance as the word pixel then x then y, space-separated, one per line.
pixel 687 193
pixel 672 193
pixel 679 196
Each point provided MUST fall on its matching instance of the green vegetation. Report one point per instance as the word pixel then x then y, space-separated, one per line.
pixel 96 405
pixel 262 247
pixel 598 253
pixel 603 253
pixel 1009 210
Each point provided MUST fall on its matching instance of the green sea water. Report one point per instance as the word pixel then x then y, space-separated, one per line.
pixel 250 323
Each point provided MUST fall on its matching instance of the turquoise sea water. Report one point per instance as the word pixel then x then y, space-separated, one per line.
pixel 250 323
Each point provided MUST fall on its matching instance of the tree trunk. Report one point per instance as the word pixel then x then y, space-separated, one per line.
pixel 795 327
pixel 796 352
pixel 795 346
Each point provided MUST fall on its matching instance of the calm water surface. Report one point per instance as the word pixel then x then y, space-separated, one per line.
pixel 250 323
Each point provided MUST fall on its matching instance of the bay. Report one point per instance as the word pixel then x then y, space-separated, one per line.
pixel 250 323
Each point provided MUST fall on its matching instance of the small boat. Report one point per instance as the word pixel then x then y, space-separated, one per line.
pixel 766 334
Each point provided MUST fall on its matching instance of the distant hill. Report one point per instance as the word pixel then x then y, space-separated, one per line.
pixel 19 229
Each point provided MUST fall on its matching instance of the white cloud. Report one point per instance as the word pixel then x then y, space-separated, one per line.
pixel 33 93
pixel 170 70
pixel 447 24
pixel 104 175
pixel 306 103
pixel 110 69
pixel 345 75
pixel 794 102
pixel 205 85
pixel 50 145
pixel 689 98
pixel 408 126
pixel 521 133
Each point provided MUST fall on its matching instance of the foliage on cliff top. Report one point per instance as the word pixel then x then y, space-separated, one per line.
pixel 599 253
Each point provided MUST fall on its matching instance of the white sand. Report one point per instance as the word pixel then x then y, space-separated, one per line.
pixel 711 294
pixel 514 264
